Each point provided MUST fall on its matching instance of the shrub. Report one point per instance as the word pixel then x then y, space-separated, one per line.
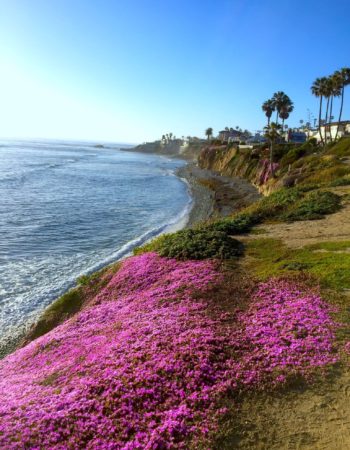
pixel 200 243
pixel 266 208
pixel 340 182
pixel 241 223
pixel 293 155
pixel 60 310
pixel 315 205
pixel 329 174
pixel 341 148
pixel 270 206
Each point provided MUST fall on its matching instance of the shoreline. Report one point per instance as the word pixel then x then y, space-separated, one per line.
pixel 212 196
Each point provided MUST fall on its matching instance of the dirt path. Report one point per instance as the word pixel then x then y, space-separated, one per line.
pixel 335 227
pixel 317 417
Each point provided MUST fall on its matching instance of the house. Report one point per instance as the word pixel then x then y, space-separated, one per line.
pixel 330 130
pixel 257 139
pixel 230 135
pixel 296 137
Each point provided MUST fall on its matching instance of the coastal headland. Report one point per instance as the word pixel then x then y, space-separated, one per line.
pixel 231 333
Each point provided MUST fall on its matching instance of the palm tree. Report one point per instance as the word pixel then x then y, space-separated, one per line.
pixel 343 79
pixel 286 109
pixel 318 90
pixel 284 114
pixel 268 108
pixel 279 99
pixel 327 93
pixel 335 92
pixel 272 134
pixel 209 133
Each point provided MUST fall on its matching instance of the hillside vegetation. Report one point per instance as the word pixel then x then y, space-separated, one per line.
pixel 165 349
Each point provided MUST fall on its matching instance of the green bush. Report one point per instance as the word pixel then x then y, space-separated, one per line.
pixel 298 151
pixel 293 155
pixel 241 223
pixel 270 206
pixel 340 182
pixel 340 149
pixel 315 205
pixel 198 243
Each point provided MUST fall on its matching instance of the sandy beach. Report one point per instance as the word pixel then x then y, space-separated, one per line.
pixel 214 195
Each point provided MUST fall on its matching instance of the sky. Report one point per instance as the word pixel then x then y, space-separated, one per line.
pixel 132 70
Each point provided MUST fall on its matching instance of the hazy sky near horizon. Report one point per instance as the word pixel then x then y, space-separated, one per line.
pixel 131 70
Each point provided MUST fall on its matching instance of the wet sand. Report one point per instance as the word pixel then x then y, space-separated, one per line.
pixel 215 196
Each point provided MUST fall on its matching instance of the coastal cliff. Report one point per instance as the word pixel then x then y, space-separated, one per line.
pixel 230 334
pixel 292 164
pixel 174 148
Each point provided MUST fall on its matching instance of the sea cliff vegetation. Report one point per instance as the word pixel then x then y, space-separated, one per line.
pixel 159 351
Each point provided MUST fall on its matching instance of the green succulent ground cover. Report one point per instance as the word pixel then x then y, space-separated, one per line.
pixel 72 301
pixel 329 262
pixel 195 244
pixel 213 240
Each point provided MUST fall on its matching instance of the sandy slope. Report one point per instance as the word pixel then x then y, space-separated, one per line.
pixel 317 417
pixel 335 227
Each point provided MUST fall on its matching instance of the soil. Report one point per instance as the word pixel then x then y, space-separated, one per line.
pixel 313 417
pixel 215 195
pixel 335 227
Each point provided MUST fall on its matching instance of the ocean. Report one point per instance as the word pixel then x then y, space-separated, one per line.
pixel 69 208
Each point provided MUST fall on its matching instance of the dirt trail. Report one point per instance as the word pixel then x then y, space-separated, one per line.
pixel 313 418
pixel 335 227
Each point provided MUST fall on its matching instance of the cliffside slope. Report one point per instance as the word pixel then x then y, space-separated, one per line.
pixel 219 336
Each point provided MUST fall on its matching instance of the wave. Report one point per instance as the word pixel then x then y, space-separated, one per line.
pixel 173 225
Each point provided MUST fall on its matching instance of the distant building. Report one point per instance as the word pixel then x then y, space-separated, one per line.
pixel 331 129
pixel 257 139
pixel 296 137
pixel 230 135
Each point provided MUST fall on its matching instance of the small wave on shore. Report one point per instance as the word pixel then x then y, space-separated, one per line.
pixel 75 218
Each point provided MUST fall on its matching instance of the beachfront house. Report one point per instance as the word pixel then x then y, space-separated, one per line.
pixel 230 135
pixel 330 130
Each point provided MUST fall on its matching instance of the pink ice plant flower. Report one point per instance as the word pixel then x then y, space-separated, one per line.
pixel 149 363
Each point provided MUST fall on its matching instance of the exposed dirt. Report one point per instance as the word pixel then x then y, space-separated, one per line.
pixel 303 418
pixel 215 195
pixel 335 227
pixel 316 417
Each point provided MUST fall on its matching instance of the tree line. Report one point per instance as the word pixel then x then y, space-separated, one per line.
pixel 328 88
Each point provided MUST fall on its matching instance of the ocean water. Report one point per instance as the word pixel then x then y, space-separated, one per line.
pixel 67 209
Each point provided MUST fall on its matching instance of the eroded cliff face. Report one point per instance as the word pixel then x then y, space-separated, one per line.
pixel 234 162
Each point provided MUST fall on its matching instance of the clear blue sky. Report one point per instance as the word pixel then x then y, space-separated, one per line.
pixel 131 70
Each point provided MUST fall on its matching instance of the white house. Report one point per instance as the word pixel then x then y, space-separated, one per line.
pixel 330 130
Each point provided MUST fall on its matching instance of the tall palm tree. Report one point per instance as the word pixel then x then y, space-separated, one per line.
pixel 335 91
pixel 286 109
pixel 209 133
pixel 272 134
pixel 327 93
pixel 268 108
pixel 279 99
pixel 343 77
pixel 284 114
pixel 318 90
